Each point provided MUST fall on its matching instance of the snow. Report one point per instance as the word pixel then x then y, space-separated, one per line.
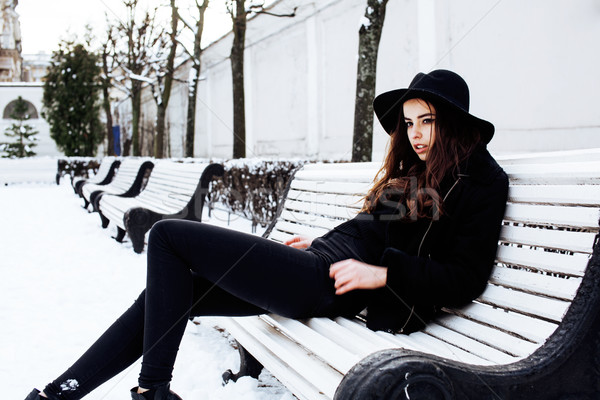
pixel 64 281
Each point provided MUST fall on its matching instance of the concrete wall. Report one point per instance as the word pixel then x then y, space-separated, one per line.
pixel 31 92
pixel 530 66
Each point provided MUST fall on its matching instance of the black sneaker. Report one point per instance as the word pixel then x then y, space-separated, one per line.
pixel 159 393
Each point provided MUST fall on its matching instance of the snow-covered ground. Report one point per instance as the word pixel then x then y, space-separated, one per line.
pixel 63 280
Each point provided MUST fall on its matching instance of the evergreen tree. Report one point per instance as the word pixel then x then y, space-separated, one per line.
pixel 21 131
pixel 71 99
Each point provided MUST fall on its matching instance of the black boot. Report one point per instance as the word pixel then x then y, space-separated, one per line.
pixel 35 395
pixel 159 393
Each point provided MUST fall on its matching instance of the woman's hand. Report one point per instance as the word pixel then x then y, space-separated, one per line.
pixel 299 242
pixel 352 274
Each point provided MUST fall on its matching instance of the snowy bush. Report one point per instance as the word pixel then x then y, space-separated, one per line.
pixel 253 188
pixel 76 167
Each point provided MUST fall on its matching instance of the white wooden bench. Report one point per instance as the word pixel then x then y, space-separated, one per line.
pixel 174 190
pixel 533 333
pixel 127 181
pixel 103 176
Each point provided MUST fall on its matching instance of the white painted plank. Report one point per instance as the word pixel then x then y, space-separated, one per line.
pixel 524 303
pixel 536 282
pixel 585 217
pixel 300 229
pixel 415 341
pixel 350 188
pixel 576 195
pixel 581 242
pixel 570 264
pixel 488 336
pixel 533 329
pixel 374 166
pixel 343 200
pixel 337 356
pixel 468 344
pixel 321 209
pixel 311 219
pixel 570 173
pixel 336 175
pixel 249 331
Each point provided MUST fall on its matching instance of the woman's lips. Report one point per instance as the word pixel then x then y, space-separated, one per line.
pixel 420 150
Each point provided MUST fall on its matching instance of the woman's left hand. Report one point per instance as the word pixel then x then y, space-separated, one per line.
pixel 352 274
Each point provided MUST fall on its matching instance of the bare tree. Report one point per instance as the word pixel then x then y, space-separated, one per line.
pixel 239 15
pixel 369 36
pixel 165 70
pixel 195 58
pixel 133 60
pixel 105 79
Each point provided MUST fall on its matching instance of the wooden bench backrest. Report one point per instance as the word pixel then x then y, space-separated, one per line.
pixel 124 177
pixel 171 185
pixel 546 242
pixel 103 169
pixel 127 173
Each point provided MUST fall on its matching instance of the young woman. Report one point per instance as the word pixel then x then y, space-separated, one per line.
pixel 426 238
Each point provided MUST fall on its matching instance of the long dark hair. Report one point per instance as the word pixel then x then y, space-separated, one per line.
pixel 414 183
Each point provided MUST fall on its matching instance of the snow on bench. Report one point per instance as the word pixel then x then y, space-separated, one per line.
pixel 174 190
pixel 532 333
pixel 127 182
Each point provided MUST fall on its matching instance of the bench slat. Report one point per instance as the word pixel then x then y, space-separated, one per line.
pixel 311 219
pixel 572 173
pixel 343 200
pixel 415 341
pixel 348 188
pixel 247 329
pixel 573 264
pixel 580 195
pixel 536 282
pixel 299 229
pixel 533 329
pixel 336 175
pixel 325 210
pixel 581 242
pixel 579 217
pixel 491 337
pixel 467 344
pixel 326 349
pixel 524 303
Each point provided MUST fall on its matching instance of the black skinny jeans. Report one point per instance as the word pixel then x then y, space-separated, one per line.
pixel 196 269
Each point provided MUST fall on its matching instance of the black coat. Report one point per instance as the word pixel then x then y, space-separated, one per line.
pixel 437 263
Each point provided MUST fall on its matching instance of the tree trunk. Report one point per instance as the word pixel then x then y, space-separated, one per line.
pixel 368 46
pixel 237 72
pixel 165 93
pixel 193 92
pixel 136 107
pixel 106 104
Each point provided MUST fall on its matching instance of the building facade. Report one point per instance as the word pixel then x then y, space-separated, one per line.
pixel 530 67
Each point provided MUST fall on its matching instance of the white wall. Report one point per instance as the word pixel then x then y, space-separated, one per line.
pixel 531 67
pixel 32 92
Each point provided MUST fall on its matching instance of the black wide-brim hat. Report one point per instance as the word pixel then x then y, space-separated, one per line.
pixel 440 86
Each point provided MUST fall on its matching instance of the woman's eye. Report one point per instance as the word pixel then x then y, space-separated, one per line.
pixel 408 124
pixel 428 120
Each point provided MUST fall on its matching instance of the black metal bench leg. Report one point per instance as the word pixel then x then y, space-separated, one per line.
pixel 105 221
pixel 249 366
pixel 120 234
pixel 137 240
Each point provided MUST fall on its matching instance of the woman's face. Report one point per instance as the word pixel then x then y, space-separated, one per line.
pixel 419 117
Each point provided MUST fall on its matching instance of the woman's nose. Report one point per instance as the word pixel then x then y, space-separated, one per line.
pixel 415 132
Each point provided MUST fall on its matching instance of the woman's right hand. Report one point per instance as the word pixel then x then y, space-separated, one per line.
pixel 299 242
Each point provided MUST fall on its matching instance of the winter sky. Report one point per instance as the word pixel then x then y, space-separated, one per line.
pixel 44 23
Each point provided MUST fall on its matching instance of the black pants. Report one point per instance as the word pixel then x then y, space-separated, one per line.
pixel 196 269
